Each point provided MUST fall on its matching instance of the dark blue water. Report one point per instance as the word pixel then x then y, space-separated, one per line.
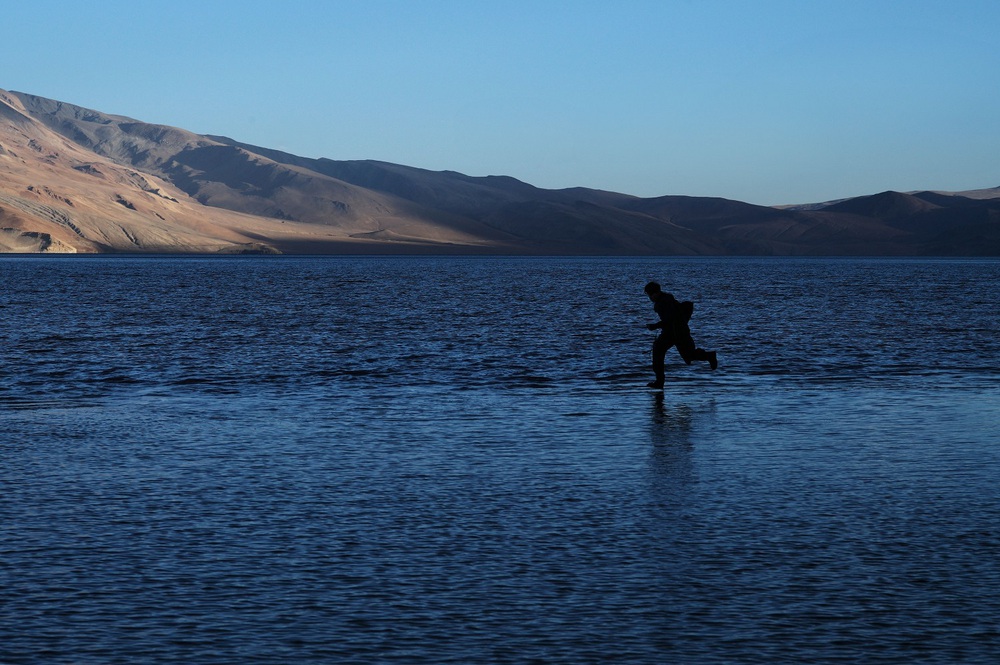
pixel 424 460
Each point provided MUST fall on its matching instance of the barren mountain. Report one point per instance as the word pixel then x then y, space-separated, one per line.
pixel 78 180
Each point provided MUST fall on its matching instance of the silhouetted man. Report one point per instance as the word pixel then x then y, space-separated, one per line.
pixel 674 331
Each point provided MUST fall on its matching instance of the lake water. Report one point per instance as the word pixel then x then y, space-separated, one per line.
pixel 456 460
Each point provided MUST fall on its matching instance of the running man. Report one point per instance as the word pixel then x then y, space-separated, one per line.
pixel 674 331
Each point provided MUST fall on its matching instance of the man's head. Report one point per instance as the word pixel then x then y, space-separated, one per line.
pixel 652 290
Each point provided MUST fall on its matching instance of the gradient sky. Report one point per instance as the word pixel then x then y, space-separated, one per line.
pixel 763 101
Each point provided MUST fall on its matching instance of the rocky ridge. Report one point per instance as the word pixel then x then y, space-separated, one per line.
pixel 79 180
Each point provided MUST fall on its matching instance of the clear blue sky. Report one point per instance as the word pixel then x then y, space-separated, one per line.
pixel 765 101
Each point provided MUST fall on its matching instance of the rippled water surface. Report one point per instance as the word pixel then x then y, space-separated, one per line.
pixel 422 460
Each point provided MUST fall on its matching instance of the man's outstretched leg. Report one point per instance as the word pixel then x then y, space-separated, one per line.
pixel 689 353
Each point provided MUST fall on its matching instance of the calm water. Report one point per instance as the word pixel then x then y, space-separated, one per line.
pixel 416 460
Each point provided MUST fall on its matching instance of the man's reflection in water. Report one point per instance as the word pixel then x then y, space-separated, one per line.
pixel 671 425
pixel 671 467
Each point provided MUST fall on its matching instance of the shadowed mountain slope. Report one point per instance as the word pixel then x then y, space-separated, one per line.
pixel 76 179
pixel 887 205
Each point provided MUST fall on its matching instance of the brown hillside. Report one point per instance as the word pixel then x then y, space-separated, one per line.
pixel 79 180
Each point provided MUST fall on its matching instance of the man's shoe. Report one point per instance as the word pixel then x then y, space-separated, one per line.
pixel 713 360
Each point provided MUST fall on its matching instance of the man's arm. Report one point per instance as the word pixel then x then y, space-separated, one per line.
pixel 661 310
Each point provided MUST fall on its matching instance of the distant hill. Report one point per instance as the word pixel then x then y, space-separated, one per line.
pixel 79 180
